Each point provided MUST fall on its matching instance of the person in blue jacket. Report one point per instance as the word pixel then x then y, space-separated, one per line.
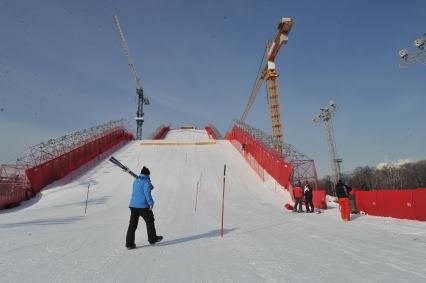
pixel 141 205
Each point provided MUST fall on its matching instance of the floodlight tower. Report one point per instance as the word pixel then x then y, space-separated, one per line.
pixel 325 116
pixel 419 57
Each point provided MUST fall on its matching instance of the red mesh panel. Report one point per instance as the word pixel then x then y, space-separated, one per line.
pixel 366 202
pixel 319 199
pixel 55 169
pixel 419 199
pixel 396 203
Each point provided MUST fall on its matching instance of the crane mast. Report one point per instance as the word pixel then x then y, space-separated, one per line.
pixel 139 90
pixel 269 73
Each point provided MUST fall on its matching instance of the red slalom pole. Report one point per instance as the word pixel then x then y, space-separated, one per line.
pixel 223 197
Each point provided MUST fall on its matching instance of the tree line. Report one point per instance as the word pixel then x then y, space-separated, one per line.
pixel 407 176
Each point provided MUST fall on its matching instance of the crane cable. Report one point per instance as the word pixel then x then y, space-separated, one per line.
pixel 254 86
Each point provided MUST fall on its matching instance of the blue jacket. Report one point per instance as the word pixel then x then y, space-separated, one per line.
pixel 141 196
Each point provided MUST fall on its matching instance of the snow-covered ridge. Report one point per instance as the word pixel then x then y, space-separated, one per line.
pixel 187 135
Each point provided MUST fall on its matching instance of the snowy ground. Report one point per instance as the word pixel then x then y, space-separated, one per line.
pixel 51 239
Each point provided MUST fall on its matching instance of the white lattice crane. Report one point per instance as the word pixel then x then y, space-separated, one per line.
pixel 139 90
pixel 269 73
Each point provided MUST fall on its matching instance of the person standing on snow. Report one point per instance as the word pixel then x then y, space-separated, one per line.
pixel 298 195
pixel 342 192
pixel 307 191
pixel 141 205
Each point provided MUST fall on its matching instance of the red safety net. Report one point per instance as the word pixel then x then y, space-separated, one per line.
pixel 403 204
pixel 319 198
pixel 14 187
pixel 267 160
pixel 250 160
pixel 211 133
pixel 420 203
pixel 161 133
pixel 262 159
pixel 55 169
pixel 366 202
pixel 398 204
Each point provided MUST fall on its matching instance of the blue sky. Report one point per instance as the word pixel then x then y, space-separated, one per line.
pixel 62 69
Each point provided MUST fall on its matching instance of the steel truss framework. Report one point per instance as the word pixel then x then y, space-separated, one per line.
pixel 13 177
pixel 303 166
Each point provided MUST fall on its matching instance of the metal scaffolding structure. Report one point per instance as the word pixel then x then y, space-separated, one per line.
pixel 303 166
pixel 54 148
pixel 12 176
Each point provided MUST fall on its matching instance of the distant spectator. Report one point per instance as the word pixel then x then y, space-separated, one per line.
pixel 342 192
pixel 307 192
pixel 298 196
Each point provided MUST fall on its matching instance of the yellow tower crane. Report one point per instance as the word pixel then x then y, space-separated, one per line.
pixel 269 73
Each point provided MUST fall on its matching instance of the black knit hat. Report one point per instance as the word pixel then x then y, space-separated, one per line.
pixel 145 171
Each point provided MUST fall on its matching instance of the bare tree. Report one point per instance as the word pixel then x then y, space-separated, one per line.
pixel 406 176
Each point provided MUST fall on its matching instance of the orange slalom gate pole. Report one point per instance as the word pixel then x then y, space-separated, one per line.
pixel 223 197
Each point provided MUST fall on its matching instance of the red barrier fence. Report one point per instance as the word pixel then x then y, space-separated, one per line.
pixel 250 160
pixel 275 166
pixel 16 188
pixel 12 199
pixel 269 161
pixel 403 204
pixel 57 168
pixel 161 133
pixel 211 133
pixel 319 198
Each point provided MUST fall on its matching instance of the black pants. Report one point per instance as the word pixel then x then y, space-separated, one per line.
pixel 298 203
pixel 148 216
pixel 307 203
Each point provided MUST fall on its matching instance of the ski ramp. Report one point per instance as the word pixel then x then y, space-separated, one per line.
pixel 52 239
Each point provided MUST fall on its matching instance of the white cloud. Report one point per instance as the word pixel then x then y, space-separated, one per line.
pixel 395 163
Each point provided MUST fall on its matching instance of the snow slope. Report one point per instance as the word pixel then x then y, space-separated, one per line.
pixel 50 239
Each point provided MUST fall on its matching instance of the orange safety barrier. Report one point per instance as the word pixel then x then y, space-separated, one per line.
pixel 403 204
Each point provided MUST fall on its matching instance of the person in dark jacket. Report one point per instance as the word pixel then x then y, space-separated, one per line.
pixel 307 191
pixel 342 192
pixel 141 205
pixel 298 196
